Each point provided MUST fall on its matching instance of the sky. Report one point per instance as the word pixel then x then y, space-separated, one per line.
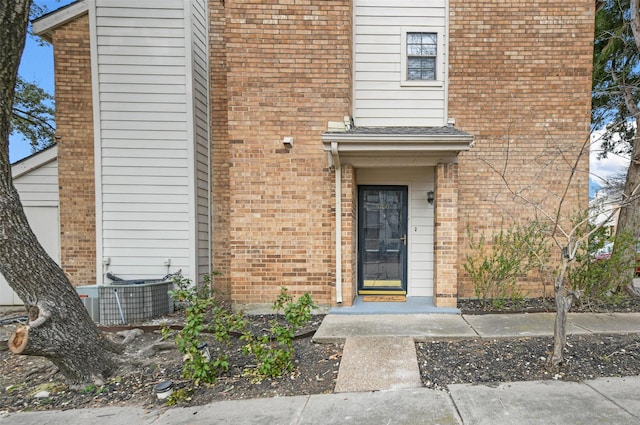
pixel 37 66
pixel 603 169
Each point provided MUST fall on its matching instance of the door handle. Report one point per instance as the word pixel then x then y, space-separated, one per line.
pixel 404 239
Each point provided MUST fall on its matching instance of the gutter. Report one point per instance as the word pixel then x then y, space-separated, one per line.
pixel 338 183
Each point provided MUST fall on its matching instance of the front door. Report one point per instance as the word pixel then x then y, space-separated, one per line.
pixel 382 239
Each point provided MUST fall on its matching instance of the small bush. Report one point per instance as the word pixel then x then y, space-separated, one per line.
pixel 274 351
pixel 599 279
pixel 495 267
pixel 202 314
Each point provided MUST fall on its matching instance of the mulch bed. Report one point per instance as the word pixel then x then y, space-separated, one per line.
pixel 442 362
pixel 22 377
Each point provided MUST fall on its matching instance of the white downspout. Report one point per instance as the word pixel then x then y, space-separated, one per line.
pixel 338 175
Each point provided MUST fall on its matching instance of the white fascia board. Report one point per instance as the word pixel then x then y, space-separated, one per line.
pixel 391 143
pixel 34 161
pixel 44 25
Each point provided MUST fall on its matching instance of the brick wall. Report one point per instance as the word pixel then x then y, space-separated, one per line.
pixel 289 72
pixel 446 236
pixel 219 150
pixel 74 130
pixel 520 79
pixel 349 235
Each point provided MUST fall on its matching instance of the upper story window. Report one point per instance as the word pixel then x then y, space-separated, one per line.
pixel 422 57
pixel 422 51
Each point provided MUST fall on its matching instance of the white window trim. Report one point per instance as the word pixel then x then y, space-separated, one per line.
pixel 441 62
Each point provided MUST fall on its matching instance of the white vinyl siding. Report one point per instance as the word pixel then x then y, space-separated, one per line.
pixel 201 134
pixel 36 180
pixel 148 87
pixel 39 187
pixel 382 95
pixel 420 221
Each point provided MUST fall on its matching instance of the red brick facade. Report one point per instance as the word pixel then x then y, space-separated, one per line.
pixel 74 133
pixel 519 82
pixel 288 73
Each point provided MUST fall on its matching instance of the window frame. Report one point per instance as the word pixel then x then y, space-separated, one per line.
pixel 440 63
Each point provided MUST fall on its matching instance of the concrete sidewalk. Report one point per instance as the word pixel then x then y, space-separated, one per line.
pixel 423 327
pixel 598 402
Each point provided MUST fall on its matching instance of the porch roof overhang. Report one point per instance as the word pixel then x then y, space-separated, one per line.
pixel 396 146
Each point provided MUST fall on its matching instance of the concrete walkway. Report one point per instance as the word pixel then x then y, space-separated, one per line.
pixel 379 350
pixel 423 327
pixel 385 344
pixel 602 401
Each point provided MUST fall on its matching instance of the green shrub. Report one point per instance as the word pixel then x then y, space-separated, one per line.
pixel 202 314
pixel 273 352
pixel 495 267
pixel 599 279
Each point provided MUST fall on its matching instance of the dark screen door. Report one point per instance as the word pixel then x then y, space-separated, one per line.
pixel 382 239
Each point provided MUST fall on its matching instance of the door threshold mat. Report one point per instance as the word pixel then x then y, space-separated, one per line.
pixel 384 298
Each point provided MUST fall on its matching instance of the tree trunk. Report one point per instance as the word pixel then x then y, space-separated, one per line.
pixel 629 218
pixel 59 326
pixel 564 301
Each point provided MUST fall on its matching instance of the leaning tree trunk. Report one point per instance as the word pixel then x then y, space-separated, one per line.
pixel 59 328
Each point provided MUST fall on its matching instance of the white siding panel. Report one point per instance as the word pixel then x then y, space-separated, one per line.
pixel 36 180
pixel 157 180
pixel 200 61
pixel 416 95
pixel 131 161
pixel 170 191
pixel 145 116
pixel 119 98
pixel 157 41
pixel 143 4
pixel 380 99
pixel 141 243
pixel 125 150
pixel 403 113
pixel 136 12
pixel 110 32
pixel 137 50
pixel 137 236
pixel 148 23
pixel 141 79
pixel 124 70
pixel 398 21
pixel 400 122
pixel 124 224
pixel 137 88
pixel 140 60
pixel 39 187
pixel 152 135
pixel 152 86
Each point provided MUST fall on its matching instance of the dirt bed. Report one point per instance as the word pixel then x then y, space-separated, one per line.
pixel 442 362
pixel 24 380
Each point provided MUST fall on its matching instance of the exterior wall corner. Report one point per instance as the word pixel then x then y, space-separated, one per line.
pixel 446 236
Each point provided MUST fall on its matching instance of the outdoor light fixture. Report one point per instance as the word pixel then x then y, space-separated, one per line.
pixel 431 196
pixel 288 142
